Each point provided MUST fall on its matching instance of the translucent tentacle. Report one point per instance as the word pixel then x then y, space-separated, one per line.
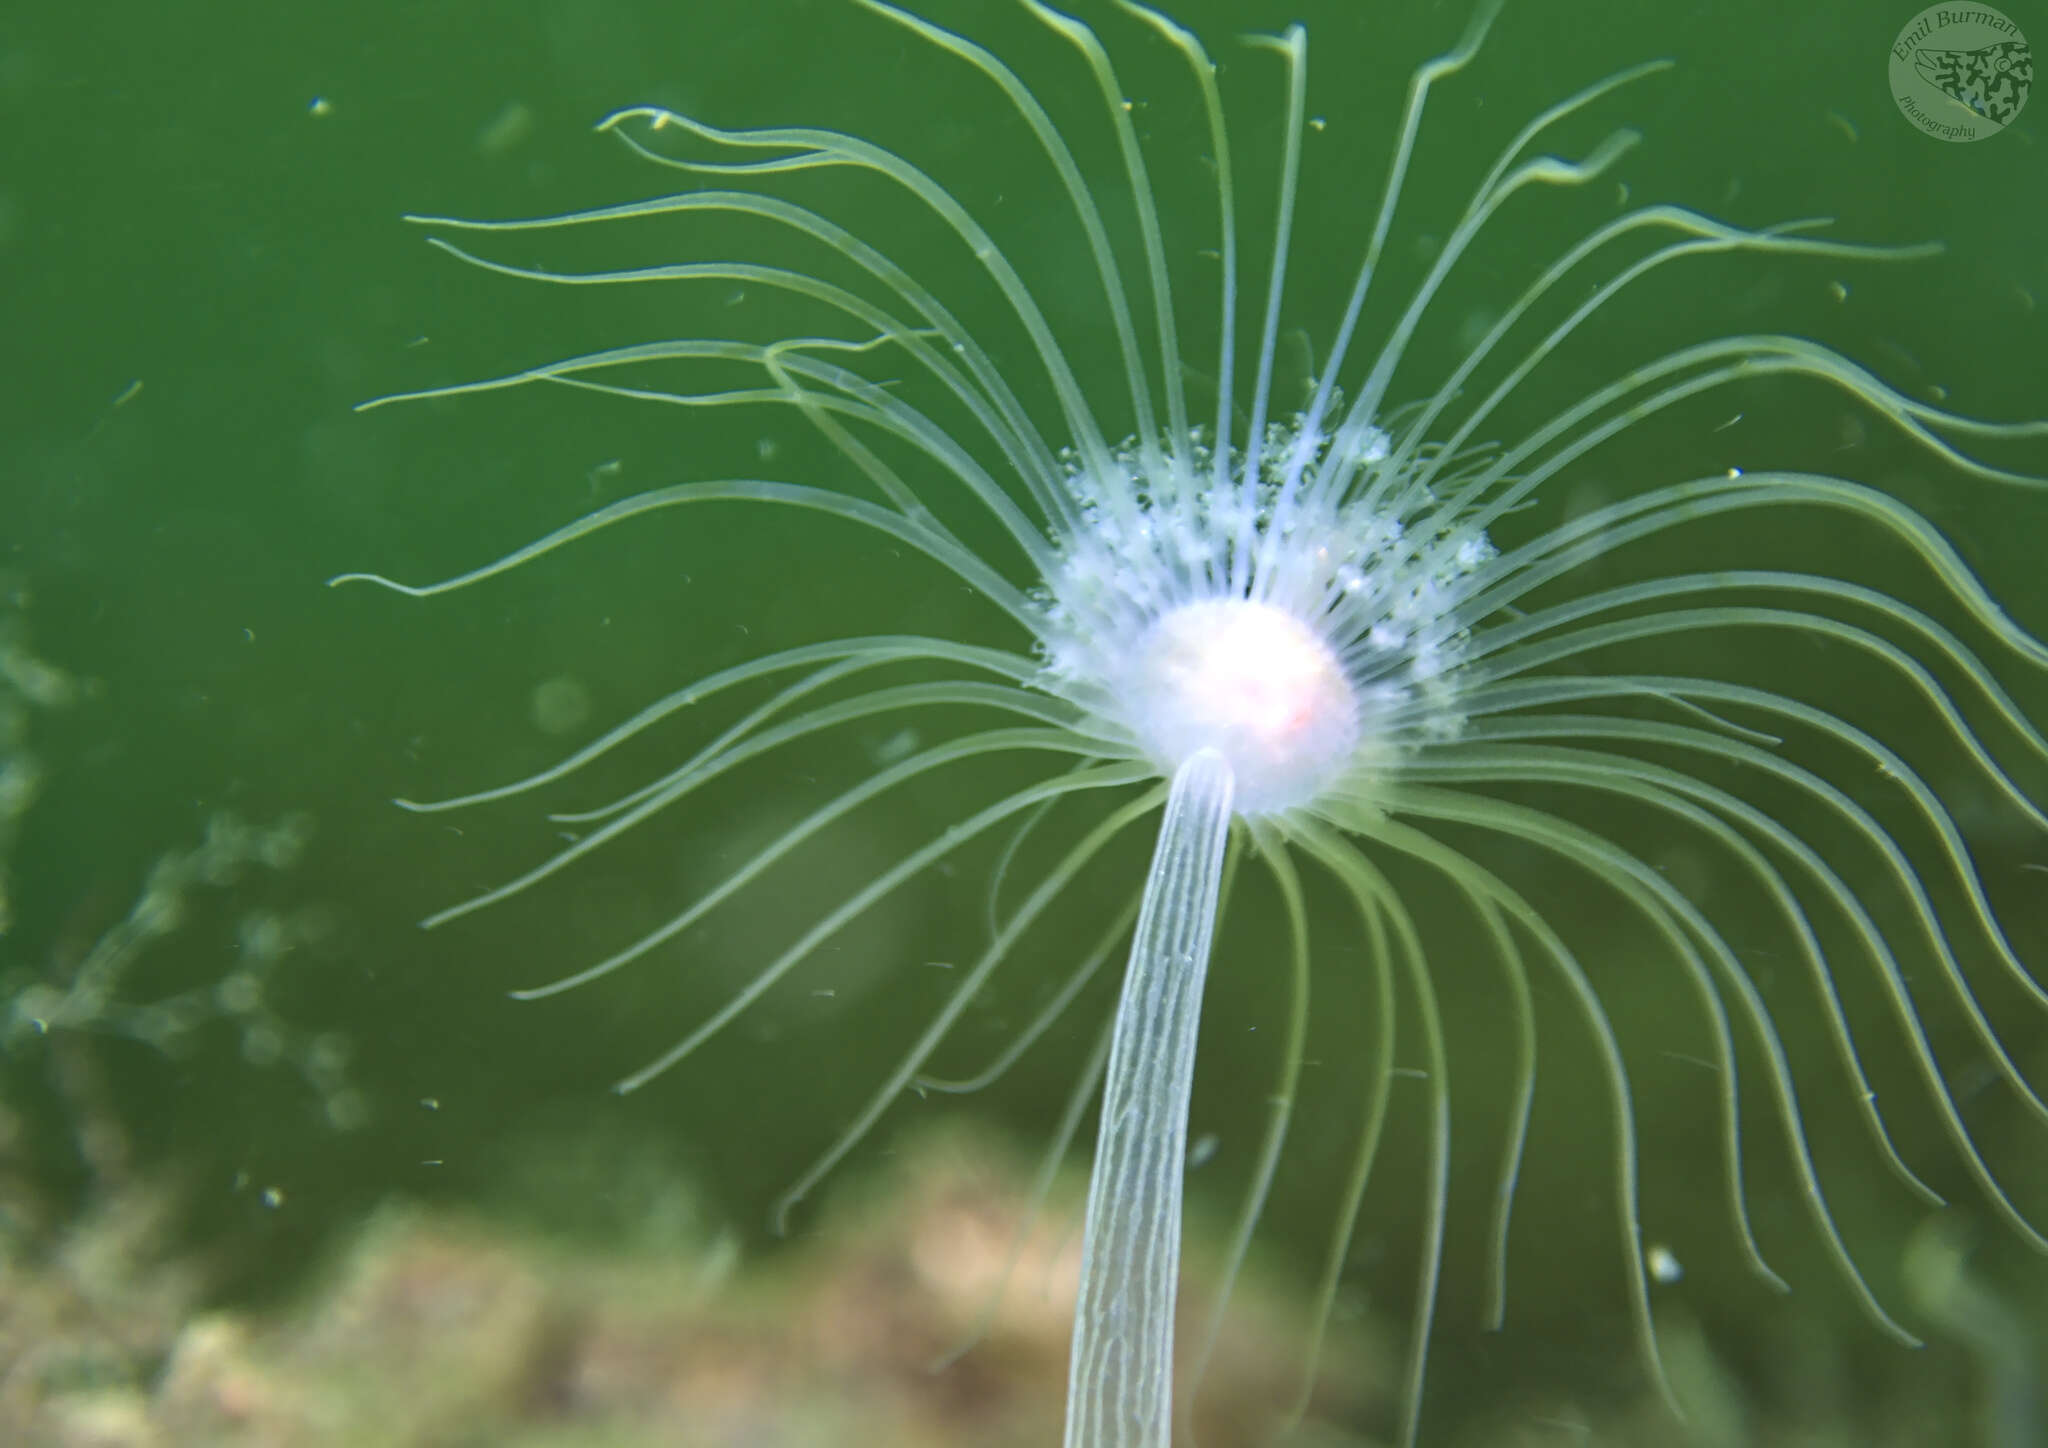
pixel 1279 1102
pixel 1457 867
pixel 1204 71
pixel 812 149
pixel 1293 47
pixel 1372 1124
pixel 840 657
pixel 646 802
pixel 1649 786
pixel 1053 1009
pixel 1364 882
pixel 1108 776
pixel 1079 1095
pixel 971 747
pixel 1419 83
pixel 1057 879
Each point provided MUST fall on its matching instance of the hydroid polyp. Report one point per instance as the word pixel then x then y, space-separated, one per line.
pixel 1342 631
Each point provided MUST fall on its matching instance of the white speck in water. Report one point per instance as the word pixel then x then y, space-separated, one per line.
pixel 1663 1264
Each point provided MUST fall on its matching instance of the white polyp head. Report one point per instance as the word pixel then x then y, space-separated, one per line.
pixel 1251 681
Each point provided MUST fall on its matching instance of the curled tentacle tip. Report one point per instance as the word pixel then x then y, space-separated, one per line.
pixel 1260 40
pixel 656 114
pixel 377 578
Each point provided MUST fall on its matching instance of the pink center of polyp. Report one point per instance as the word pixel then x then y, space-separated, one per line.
pixel 1256 684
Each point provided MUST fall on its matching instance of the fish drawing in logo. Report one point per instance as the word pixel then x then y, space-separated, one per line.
pixel 1991 80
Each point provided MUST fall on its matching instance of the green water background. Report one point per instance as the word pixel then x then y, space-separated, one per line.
pixel 205 200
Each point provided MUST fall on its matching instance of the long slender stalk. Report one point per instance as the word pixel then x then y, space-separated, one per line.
pixel 1120 1379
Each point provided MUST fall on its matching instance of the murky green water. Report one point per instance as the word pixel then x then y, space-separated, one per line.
pixel 204 270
